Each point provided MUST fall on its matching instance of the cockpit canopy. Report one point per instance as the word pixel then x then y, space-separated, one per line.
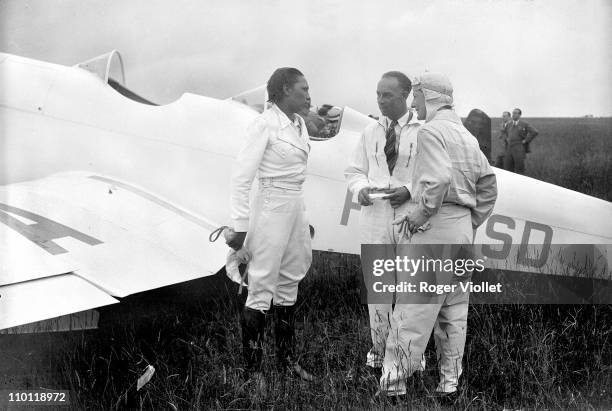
pixel 109 67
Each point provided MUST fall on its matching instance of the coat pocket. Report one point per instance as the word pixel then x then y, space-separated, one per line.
pixel 377 159
pixel 276 204
pixel 281 148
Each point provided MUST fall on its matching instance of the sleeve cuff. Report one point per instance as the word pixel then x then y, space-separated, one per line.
pixel 425 212
pixel 240 225
pixel 357 187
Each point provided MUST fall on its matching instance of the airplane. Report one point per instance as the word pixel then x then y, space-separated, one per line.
pixel 104 194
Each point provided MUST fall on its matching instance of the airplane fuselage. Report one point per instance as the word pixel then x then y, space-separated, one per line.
pixel 57 118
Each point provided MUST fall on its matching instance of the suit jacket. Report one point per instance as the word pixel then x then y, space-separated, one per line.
pixel 523 133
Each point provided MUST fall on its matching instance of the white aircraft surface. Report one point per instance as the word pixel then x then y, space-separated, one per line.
pixel 103 194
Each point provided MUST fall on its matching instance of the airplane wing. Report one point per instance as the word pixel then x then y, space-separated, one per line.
pixel 93 238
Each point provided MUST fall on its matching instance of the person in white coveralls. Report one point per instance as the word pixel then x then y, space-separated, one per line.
pixel 454 192
pixel 383 163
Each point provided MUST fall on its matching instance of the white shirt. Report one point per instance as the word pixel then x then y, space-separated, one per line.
pixel 368 163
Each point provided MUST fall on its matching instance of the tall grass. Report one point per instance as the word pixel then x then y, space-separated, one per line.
pixel 517 357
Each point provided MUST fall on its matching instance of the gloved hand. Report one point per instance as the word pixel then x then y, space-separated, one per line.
pixel 234 239
pixel 232 265
pixel 364 196
pixel 414 221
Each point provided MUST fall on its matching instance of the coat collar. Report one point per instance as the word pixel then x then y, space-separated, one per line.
pixel 447 114
pixel 293 137
pixel 282 117
pixel 386 121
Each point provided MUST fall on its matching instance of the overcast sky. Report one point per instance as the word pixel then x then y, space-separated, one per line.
pixel 551 58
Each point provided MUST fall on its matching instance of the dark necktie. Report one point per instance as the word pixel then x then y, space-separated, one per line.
pixel 390 150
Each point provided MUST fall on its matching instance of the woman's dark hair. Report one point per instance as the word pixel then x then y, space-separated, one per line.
pixel 401 78
pixel 285 76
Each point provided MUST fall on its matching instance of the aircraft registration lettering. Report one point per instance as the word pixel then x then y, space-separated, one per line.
pixel 349 205
pixel 505 238
pixel 493 230
pixel 44 231
pixel 523 257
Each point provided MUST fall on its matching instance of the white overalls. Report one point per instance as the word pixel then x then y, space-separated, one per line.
pixel 368 168
pixel 456 188
pixel 276 149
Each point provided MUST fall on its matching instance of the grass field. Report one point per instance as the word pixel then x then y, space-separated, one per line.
pixel 517 357
pixel 574 153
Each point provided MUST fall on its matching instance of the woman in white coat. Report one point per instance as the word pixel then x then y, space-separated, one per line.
pixel 273 227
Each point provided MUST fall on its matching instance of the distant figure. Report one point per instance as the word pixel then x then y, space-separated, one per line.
pixel 324 109
pixel 333 121
pixel 503 139
pixel 314 122
pixel 506 117
pixel 331 116
pixel 519 134
pixel 478 124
